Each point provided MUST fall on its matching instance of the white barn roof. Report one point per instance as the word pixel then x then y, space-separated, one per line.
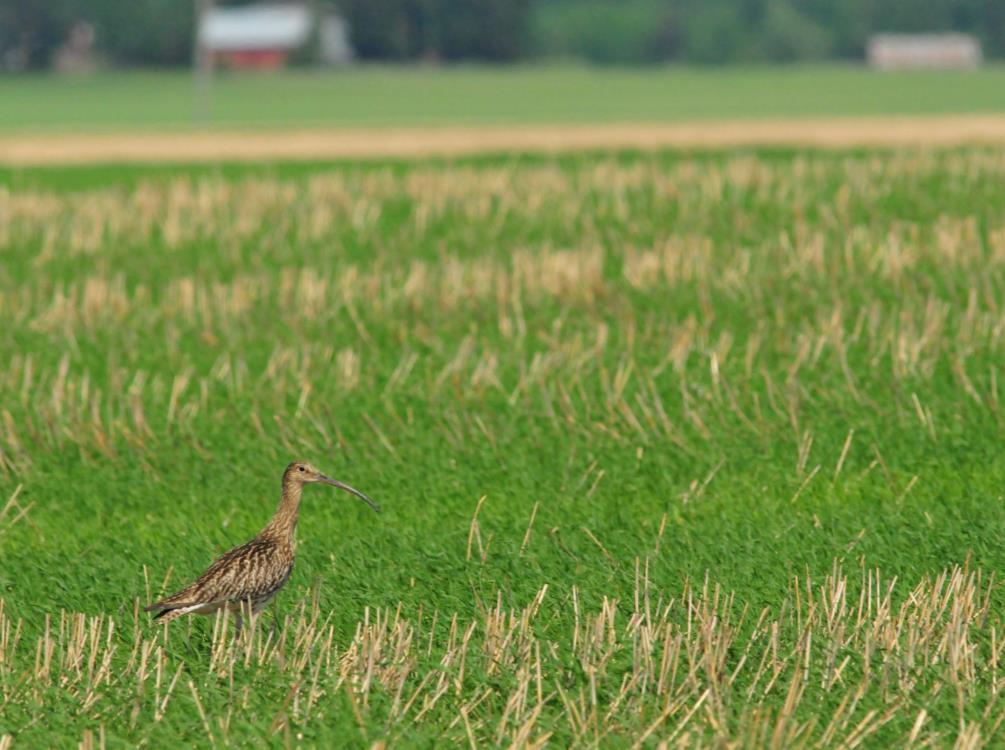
pixel 255 27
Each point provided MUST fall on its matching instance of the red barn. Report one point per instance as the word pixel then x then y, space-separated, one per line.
pixel 255 36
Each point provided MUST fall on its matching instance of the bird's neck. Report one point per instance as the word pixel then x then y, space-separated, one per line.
pixel 283 525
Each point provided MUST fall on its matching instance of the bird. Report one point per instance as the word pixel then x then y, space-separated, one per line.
pixel 245 579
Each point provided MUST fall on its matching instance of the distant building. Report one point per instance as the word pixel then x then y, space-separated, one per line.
pixel 917 51
pixel 263 36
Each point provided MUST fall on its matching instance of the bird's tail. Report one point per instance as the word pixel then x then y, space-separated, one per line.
pixel 169 611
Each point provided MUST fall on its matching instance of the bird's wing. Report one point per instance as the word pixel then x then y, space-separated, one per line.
pixel 235 575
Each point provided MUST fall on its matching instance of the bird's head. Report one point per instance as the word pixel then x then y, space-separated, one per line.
pixel 301 472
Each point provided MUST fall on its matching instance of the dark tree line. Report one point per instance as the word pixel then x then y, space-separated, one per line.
pixel 438 29
pixel 159 32
pixel 721 31
pixel 130 32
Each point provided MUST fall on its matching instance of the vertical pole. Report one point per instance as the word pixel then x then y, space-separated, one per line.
pixel 203 63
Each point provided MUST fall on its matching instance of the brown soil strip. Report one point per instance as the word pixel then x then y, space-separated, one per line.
pixel 210 146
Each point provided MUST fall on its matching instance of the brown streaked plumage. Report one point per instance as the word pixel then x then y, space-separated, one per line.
pixel 245 579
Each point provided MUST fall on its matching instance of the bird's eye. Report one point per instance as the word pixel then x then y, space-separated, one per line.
pixel 300 468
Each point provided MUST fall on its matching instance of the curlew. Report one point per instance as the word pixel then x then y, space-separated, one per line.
pixel 246 579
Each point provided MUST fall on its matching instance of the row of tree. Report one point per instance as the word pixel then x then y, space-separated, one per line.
pixel 127 32
pixel 723 31
pixel 159 32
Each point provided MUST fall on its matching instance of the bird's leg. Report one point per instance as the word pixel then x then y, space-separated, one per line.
pixel 238 624
pixel 245 609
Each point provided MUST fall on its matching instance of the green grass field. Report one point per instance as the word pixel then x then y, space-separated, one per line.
pixel 472 95
pixel 671 448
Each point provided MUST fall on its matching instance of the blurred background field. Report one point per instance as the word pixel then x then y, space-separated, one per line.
pixel 479 95
pixel 472 62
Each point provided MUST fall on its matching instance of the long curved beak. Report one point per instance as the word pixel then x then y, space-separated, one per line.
pixel 347 488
